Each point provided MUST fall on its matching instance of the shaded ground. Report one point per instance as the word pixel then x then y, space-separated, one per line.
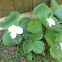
pixel 16 54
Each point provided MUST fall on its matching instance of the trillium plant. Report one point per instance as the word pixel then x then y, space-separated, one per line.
pixel 46 27
pixel 14 31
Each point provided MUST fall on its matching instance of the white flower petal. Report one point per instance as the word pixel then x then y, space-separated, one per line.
pixel 61 45
pixel 13 35
pixel 19 30
pixel 51 22
pixel 15 30
pixel 10 29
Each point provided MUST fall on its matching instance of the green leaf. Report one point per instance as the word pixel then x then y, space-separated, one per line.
pixel 54 5
pixel 45 23
pixel 24 22
pixel 12 19
pixel 54 39
pixel 53 52
pixel 18 39
pixel 38 47
pixel 34 26
pixel 58 13
pixel 57 10
pixel 58 38
pixel 8 41
pixel 50 38
pixel 38 36
pixel 56 52
pixel 41 11
pixel 27 34
pixel 27 46
pixel 35 46
pixel 29 56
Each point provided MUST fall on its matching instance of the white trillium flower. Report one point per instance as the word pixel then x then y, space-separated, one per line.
pixel 15 30
pixel 61 45
pixel 51 22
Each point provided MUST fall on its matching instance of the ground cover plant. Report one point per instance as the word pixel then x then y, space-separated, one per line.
pixel 34 33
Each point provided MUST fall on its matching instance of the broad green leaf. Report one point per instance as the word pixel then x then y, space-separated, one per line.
pixel 49 15
pixel 8 41
pixel 38 47
pixel 57 10
pixel 53 52
pixel 58 38
pixel 35 46
pixel 56 52
pixel 12 19
pixel 38 36
pixel 41 11
pixel 27 46
pixel 24 22
pixel 29 56
pixel 27 34
pixel 45 23
pixel 50 38
pixel 54 5
pixel 18 39
pixel 57 45
pixel 34 26
pixel 53 39
pixel 58 13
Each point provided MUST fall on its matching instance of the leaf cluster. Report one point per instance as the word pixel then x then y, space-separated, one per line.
pixel 37 29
